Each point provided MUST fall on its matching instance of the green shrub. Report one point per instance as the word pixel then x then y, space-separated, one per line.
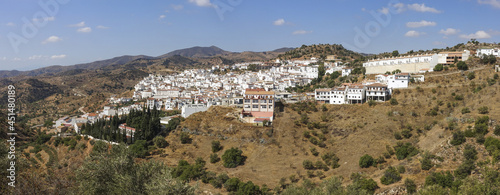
pixel 308 164
pixel 496 130
pixel 233 157
pixel 362 183
pixel 232 184
pixel 160 142
pixel 139 148
pixel 406 133
pixel 331 159
pixel 401 169
pixel 470 152
pixel 391 175
pixel 314 152
pixel 214 158
pixel 393 101
pixel 458 138
pixel 465 110
pixel 397 135
pixel 185 138
pixel 366 161
pixel 405 150
pixel 410 186
pixel 443 179
pixel 471 75
pixel 216 146
pixel 483 110
pixel 438 67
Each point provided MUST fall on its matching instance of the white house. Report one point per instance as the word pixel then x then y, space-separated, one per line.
pixel 193 108
pixel 398 80
pixel 488 51
pixel 355 94
pixel 377 92
pixel 338 95
pixel 322 95
pixel 346 71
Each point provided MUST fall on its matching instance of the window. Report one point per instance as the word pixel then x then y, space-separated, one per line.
pixel 263 106
pixel 255 106
pixel 262 101
pixel 255 101
pixel 270 101
pixel 270 107
pixel 247 106
pixel 247 101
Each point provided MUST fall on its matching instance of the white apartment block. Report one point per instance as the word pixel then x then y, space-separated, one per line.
pixel 488 51
pixel 258 103
pixel 346 71
pixel 338 95
pixel 414 63
pixel 377 92
pixel 355 94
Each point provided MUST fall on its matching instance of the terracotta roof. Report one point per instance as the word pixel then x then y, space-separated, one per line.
pixel 258 92
pixel 324 89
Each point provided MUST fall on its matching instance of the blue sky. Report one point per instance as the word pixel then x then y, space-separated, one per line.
pixel 38 33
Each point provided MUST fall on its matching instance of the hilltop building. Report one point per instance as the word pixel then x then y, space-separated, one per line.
pixel 414 63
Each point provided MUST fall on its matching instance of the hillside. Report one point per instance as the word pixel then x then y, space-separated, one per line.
pixel 196 52
pixel 321 51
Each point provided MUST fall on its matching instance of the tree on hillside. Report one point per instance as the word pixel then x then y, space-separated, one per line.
pixel 462 66
pixel 233 157
pixel 395 53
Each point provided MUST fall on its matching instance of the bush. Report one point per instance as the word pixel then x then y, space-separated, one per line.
pixel 314 152
pixel 216 146
pixel 219 180
pixel 410 186
pixel 397 135
pixel 406 133
pixel 331 159
pixel 366 161
pixel 393 101
pixel 139 148
pixel 42 138
pixel 483 110
pixel 438 67
pixel 214 158
pixel 458 138
pixel 160 142
pixel 471 75
pixel 363 183
pixel 459 97
pixel 371 103
pixel 232 184
pixel 401 169
pixel 405 150
pixel 470 152
pixel 465 169
pixel 391 175
pixel 443 179
pixel 233 157
pixel 462 66
pixel 308 164
pixel 465 110
pixel 496 130
pixel 426 163
pixel 185 139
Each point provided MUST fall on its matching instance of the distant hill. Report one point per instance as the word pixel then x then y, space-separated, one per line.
pixel 284 49
pixel 89 66
pixel 196 52
pixel 321 51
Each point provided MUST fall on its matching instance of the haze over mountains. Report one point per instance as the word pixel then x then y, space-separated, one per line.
pixel 193 52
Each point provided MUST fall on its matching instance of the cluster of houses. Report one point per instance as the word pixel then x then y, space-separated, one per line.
pixel 488 51
pixel 379 89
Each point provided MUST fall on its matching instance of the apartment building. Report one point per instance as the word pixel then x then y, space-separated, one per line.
pixel 258 103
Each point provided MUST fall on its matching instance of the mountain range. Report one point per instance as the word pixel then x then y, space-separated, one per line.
pixel 193 52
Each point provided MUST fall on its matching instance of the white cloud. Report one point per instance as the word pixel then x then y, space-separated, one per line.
pixel 84 30
pixel 10 24
pixel 400 7
pixel 55 57
pixel 494 3
pixel 279 22
pixel 413 33
pixel 16 59
pixel 384 10
pixel 35 57
pixel 420 24
pixel 478 35
pixel 4 58
pixel 202 3
pixel 301 32
pixel 81 24
pixel 177 7
pixel 51 39
pixel 46 19
pixel 449 31
pixel 102 27
pixel 363 9
pixel 422 8
pixel 162 16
